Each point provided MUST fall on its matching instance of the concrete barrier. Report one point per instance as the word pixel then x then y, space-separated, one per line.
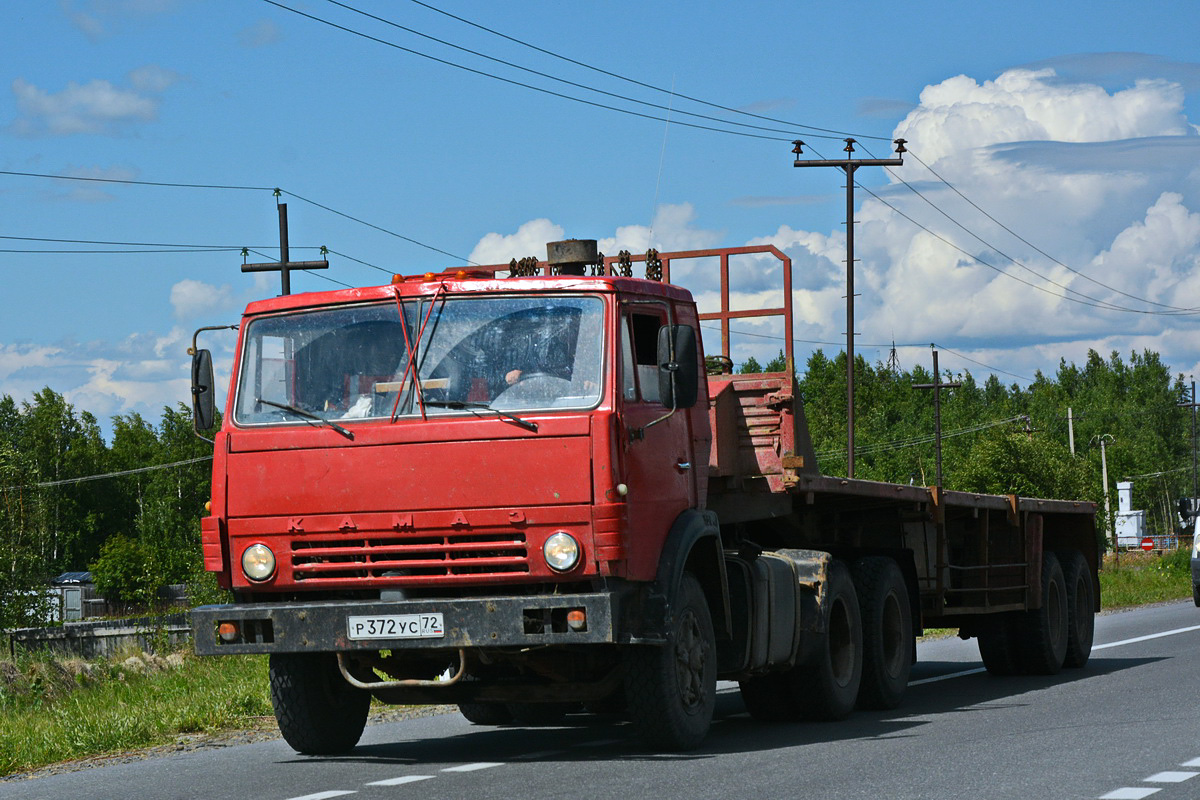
pixel 103 638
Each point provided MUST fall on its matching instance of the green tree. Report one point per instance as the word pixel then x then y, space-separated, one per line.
pixel 127 571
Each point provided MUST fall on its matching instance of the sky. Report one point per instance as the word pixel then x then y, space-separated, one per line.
pixel 1049 203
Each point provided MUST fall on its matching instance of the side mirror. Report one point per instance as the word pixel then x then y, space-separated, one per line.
pixel 203 411
pixel 678 375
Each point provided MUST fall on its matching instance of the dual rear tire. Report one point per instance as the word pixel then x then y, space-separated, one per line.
pixel 1046 639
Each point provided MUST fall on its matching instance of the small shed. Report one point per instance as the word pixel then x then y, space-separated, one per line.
pixel 76 592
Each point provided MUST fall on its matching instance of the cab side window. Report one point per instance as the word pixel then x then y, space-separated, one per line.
pixel 639 353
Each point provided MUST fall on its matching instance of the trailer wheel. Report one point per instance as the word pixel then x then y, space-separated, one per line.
pixel 485 713
pixel 318 712
pixel 1081 616
pixel 1044 630
pixel 671 690
pixel 998 646
pixel 768 698
pixel 826 688
pixel 886 632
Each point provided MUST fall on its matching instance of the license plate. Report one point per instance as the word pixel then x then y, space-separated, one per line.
pixel 396 626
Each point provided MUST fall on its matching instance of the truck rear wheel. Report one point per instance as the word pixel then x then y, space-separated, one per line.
pixel 886 632
pixel 1081 615
pixel 1044 630
pixel 998 646
pixel 318 712
pixel 826 688
pixel 672 689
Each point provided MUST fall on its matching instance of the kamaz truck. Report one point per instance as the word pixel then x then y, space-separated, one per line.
pixel 526 490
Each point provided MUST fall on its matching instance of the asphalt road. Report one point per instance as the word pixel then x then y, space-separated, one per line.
pixel 1124 727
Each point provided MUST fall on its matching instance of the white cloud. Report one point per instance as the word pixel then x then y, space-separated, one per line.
pixel 959 114
pixel 99 18
pixel 192 299
pixel 529 240
pixel 153 78
pixel 260 34
pixel 672 230
pixel 97 106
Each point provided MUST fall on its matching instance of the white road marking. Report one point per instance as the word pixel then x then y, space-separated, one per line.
pixel 1146 638
pixel 1134 640
pixel 324 795
pixel 1195 762
pixel 402 781
pixel 1170 777
pixel 948 676
pixel 473 767
pixel 1129 793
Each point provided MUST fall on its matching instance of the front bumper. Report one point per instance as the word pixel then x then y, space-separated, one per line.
pixel 483 622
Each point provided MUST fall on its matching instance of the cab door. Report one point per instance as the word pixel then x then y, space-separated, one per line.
pixel 659 462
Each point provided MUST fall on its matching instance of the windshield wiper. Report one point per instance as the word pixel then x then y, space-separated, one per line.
pixel 307 415
pixel 469 406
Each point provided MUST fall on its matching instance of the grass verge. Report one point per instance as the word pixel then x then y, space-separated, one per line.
pixel 1136 579
pixel 52 711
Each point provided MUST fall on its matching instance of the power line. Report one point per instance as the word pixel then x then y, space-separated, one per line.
pixel 565 81
pixel 138 244
pixel 868 345
pixel 122 473
pixel 138 183
pixel 521 84
pixel 373 225
pixel 915 441
pixel 255 188
pixel 635 82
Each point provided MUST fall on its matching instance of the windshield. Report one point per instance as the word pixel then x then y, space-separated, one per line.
pixel 503 353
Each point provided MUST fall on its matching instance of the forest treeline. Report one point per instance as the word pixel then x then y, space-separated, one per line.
pixel 144 525
pixel 57 516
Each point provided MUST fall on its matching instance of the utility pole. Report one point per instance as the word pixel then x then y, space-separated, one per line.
pixel 850 165
pixel 1104 476
pixel 1071 429
pixel 1190 402
pixel 937 387
pixel 284 266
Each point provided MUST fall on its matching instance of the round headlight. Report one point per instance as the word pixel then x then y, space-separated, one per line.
pixel 258 562
pixel 561 551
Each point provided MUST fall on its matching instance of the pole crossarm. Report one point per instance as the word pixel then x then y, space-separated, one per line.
pixel 284 265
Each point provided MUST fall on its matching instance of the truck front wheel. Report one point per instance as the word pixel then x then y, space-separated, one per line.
pixel 672 689
pixel 318 712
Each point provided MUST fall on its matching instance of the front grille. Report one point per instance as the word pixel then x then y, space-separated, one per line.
pixel 420 559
